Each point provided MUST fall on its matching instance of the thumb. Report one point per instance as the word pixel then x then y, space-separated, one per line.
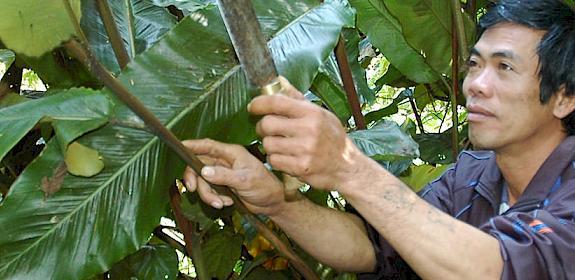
pixel 289 90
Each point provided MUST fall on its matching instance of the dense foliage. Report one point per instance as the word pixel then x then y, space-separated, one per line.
pixel 84 184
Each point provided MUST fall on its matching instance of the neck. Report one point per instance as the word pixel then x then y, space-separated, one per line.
pixel 520 163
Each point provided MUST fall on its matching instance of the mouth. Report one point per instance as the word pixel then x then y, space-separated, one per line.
pixel 477 113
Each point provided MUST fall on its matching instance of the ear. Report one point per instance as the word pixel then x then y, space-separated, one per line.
pixel 564 104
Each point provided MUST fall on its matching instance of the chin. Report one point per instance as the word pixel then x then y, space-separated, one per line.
pixel 482 142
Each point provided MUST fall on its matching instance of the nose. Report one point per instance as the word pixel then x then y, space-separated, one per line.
pixel 478 83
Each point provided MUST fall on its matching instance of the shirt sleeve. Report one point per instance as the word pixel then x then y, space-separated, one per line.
pixel 535 245
pixel 389 264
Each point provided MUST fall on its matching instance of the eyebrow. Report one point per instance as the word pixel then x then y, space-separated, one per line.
pixel 500 54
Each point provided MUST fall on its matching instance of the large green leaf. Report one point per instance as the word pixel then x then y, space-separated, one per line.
pixel 385 33
pixel 387 144
pixel 72 113
pixel 150 262
pixel 140 23
pixel 33 28
pixel 419 176
pixel 192 82
pixel 425 21
pixel 332 95
pixel 221 252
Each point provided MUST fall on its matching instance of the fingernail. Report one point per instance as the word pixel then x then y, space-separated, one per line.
pixel 249 106
pixel 208 171
pixel 217 204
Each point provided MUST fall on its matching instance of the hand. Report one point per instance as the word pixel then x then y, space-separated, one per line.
pixel 233 166
pixel 303 139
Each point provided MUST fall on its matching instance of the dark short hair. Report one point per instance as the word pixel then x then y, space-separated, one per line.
pixel 557 47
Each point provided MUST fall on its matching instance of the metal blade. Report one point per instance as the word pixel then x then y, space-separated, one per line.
pixel 251 48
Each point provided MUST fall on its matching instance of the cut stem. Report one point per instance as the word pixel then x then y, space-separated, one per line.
pixel 113 34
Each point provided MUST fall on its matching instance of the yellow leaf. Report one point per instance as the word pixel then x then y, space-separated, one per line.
pixel 83 161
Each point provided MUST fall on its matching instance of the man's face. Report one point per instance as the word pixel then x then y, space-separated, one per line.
pixel 502 90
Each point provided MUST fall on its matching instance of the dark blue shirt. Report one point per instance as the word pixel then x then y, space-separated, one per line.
pixel 536 235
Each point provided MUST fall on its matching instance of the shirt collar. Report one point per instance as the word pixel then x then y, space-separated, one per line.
pixel 491 181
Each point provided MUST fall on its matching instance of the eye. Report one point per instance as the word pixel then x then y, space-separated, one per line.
pixel 505 67
pixel 471 63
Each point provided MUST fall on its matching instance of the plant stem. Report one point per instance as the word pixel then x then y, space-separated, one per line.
pixel 192 238
pixel 83 54
pixel 417 116
pixel 348 84
pixel 113 34
pixel 454 86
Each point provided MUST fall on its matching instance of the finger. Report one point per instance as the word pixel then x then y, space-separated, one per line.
pixel 272 125
pixel 286 163
pixel 219 175
pixel 208 195
pixel 277 104
pixel 282 145
pixel 190 179
pixel 289 90
pixel 227 152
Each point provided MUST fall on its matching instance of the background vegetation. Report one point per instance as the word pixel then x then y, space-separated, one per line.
pixel 88 192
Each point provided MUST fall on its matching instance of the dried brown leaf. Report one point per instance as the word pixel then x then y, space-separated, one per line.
pixel 51 185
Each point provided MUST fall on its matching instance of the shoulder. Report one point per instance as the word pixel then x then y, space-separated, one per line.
pixel 469 168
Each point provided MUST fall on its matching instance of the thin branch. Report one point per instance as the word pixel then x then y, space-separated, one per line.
pixel 113 34
pixel 82 53
pixel 444 116
pixel 192 237
pixel 417 116
pixel 455 87
pixel 348 84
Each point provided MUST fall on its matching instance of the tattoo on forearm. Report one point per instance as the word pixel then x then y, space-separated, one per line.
pixel 400 198
pixel 435 216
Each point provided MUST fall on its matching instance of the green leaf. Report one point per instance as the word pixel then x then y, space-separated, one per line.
pixel 385 33
pixel 140 23
pixel 11 99
pixel 435 147
pixel 72 113
pixel 332 95
pixel 394 78
pixel 386 142
pixel 419 176
pixel 83 161
pixel 389 110
pixel 221 252
pixel 192 82
pixel 59 71
pixel 34 28
pixel 260 273
pixel 425 21
pixel 150 262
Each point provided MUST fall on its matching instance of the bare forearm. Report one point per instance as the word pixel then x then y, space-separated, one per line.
pixel 335 238
pixel 436 245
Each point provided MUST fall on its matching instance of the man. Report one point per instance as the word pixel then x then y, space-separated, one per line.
pixel 507 212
